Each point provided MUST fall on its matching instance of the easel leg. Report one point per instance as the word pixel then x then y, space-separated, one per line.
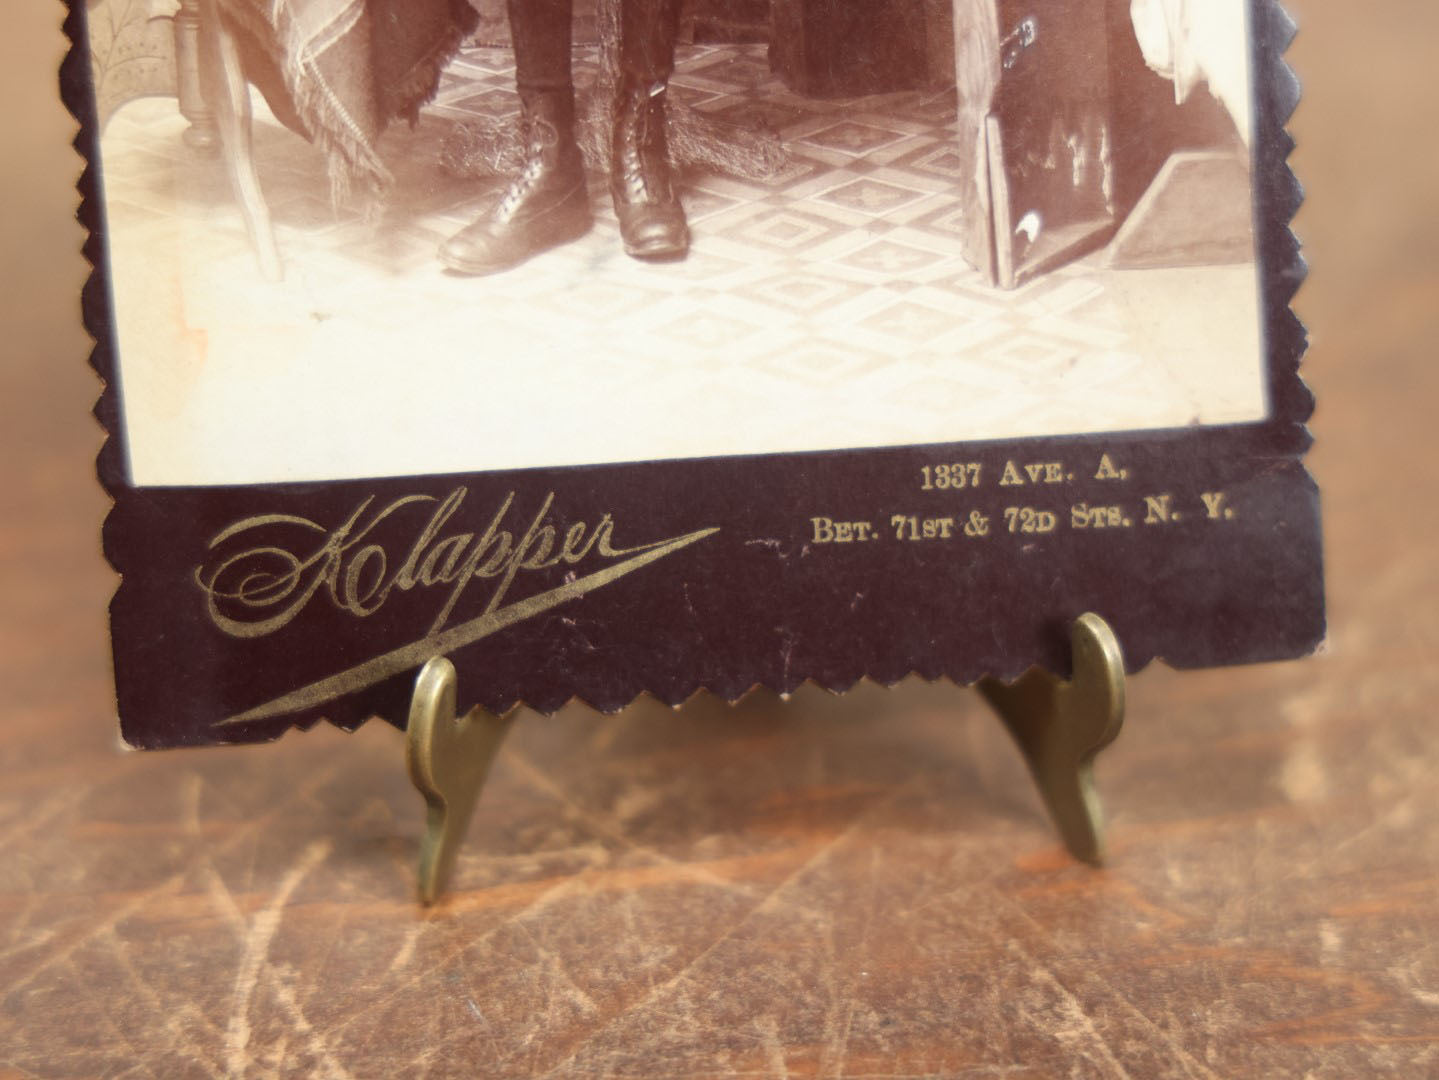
pixel 448 758
pixel 1061 726
pixel 228 94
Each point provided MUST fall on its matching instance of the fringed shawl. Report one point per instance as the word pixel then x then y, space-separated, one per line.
pixel 338 71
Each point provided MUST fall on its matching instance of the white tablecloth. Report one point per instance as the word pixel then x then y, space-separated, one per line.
pixel 1199 41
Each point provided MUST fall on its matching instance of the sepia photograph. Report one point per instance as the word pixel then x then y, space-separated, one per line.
pixel 370 238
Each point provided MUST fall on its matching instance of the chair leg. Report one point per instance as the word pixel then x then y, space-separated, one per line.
pixel 228 94
pixel 201 134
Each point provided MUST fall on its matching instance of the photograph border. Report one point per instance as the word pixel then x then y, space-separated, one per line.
pixel 742 587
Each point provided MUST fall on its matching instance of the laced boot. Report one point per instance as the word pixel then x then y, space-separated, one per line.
pixel 545 205
pixel 652 221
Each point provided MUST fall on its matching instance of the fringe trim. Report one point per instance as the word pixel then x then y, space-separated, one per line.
pixel 422 82
pixel 495 147
pixel 351 159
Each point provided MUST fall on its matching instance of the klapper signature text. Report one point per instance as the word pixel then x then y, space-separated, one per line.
pixel 267 583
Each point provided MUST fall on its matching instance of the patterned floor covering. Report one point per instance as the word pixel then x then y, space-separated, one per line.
pixel 825 308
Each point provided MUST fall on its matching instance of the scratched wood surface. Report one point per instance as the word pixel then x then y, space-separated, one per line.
pixel 861 886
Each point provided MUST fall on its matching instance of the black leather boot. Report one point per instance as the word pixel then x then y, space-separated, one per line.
pixel 652 221
pixel 545 205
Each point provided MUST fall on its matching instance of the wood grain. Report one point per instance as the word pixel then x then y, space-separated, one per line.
pixel 856 886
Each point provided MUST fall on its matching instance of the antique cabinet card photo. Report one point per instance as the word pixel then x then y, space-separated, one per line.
pixel 612 347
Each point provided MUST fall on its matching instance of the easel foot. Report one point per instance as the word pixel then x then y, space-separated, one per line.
pixel 1061 726
pixel 448 758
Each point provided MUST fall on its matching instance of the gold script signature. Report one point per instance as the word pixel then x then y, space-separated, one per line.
pixel 254 585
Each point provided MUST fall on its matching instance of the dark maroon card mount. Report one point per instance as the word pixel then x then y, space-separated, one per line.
pixel 246 610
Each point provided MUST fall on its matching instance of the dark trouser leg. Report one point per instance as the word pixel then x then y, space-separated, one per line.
pixel 647 39
pixel 652 221
pixel 547 203
pixel 542 31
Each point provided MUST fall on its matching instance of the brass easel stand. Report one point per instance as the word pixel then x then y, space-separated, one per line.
pixel 448 758
pixel 1060 727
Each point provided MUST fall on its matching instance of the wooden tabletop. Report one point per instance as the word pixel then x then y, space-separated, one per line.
pixel 856 886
